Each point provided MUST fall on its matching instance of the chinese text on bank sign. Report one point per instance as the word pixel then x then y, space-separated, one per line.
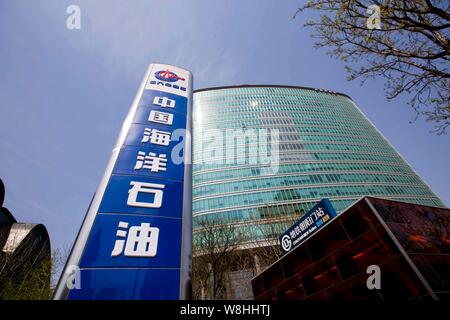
pixel 134 241
pixel 308 224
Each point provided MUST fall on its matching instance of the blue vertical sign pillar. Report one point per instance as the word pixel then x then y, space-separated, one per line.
pixel 135 241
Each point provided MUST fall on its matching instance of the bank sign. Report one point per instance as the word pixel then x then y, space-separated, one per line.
pixel 307 225
pixel 135 240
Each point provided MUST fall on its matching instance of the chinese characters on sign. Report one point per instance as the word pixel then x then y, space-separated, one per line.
pixel 151 188
pixel 155 136
pixel 308 224
pixel 164 102
pixel 142 241
pixel 151 161
pixel 160 117
pixel 317 216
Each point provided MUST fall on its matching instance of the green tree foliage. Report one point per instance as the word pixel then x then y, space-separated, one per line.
pixel 32 284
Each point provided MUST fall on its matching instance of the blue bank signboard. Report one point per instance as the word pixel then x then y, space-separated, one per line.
pixel 135 240
pixel 307 225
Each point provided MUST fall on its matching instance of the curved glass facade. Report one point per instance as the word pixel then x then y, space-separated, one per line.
pixel 327 149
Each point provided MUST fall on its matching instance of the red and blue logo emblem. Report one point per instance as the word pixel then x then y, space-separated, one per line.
pixel 166 75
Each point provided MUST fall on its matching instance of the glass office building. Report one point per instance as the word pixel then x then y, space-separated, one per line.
pixel 326 149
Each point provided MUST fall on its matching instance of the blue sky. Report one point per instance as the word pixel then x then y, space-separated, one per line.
pixel 64 94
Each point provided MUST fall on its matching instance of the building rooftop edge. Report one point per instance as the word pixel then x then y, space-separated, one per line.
pixel 272 86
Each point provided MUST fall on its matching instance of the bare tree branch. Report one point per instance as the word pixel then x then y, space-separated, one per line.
pixel 411 50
